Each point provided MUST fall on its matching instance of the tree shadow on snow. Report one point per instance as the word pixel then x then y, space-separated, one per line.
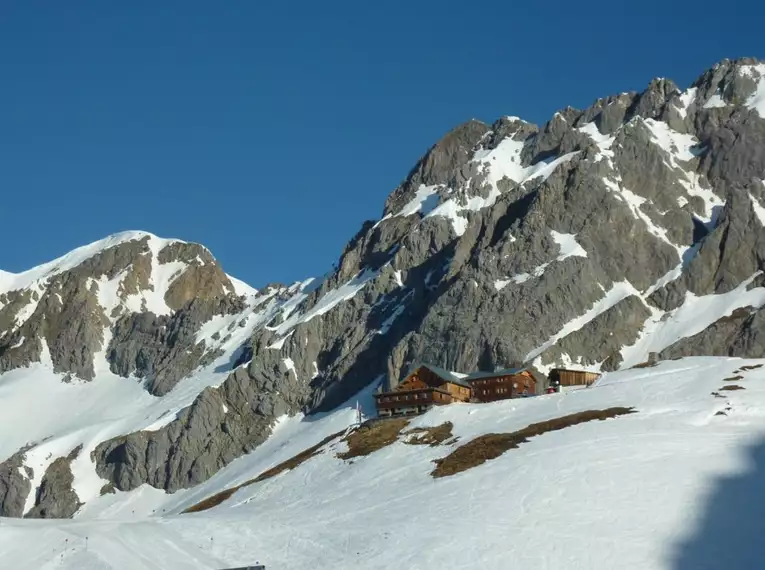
pixel 729 534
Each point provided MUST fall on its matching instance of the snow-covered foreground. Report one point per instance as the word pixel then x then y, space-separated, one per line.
pixel 674 486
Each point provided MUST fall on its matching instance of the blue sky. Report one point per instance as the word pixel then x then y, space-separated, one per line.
pixel 269 131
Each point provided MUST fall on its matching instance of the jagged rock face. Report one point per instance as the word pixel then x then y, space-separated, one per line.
pixel 647 188
pixel 203 279
pixel 14 485
pixel 70 317
pixel 163 349
pixel 221 425
pixel 442 164
pixel 600 340
pixel 55 497
pixel 506 244
pixel 740 334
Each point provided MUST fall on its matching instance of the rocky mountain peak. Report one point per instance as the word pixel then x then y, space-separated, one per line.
pixel 65 311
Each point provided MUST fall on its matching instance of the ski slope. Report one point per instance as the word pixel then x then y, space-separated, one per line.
pixel 673 486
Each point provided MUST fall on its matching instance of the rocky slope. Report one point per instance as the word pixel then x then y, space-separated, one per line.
pixel 604 238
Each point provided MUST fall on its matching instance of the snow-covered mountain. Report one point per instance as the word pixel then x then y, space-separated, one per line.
pixel 630 232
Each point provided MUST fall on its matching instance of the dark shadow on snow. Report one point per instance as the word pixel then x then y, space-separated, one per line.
pixel 240 356
pixel 730 533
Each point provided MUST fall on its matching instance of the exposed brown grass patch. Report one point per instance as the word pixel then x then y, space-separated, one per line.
pixel 372 437
pixel 291 463
pixel 721 413
pixel 731 387
pixel 214 500
pixel 733 378
pixel 752 367
pixel 432 436
pixel 492 445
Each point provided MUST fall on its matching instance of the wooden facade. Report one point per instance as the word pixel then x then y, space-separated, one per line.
pixel 573 377
pixel 411 401
pixel 502 385
pixel 425 386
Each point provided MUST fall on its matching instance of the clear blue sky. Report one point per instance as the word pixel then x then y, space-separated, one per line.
pixel 269 130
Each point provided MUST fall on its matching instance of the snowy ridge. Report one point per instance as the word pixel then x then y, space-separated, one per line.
pixel 493 165
pixel 16 281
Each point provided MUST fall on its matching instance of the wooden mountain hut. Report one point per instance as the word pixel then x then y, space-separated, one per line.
pixel 425 386
pixel 504 384
pixel 573 377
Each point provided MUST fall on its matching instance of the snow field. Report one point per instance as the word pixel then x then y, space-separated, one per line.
pixel 625 492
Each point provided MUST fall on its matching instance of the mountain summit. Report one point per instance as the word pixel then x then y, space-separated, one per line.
pixel 627 232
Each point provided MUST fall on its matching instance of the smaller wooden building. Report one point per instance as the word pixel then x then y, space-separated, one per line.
pixel 425 386
pixel 503 384
pixel 572 377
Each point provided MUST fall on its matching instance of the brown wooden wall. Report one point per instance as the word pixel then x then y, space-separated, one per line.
pixel 501 387
pixel 421 377
pixel 458 392
pixel 412 399
pixel 411 382
pixel 573 377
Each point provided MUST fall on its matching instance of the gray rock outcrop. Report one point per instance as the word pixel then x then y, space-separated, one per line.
pixel 55 498
pixel 742 334
pixel 163 349
pixel 221 425
pixel 15 485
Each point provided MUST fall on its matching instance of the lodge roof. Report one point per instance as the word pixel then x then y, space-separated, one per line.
pixel 502 372
pixel 453 377
pixel 467 379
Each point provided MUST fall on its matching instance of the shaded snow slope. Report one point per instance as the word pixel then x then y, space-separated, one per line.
pixel 630 492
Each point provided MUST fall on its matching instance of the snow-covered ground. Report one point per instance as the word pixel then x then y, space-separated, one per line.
pixel 675 486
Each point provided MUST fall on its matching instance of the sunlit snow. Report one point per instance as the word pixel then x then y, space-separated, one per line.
pixel 594 488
